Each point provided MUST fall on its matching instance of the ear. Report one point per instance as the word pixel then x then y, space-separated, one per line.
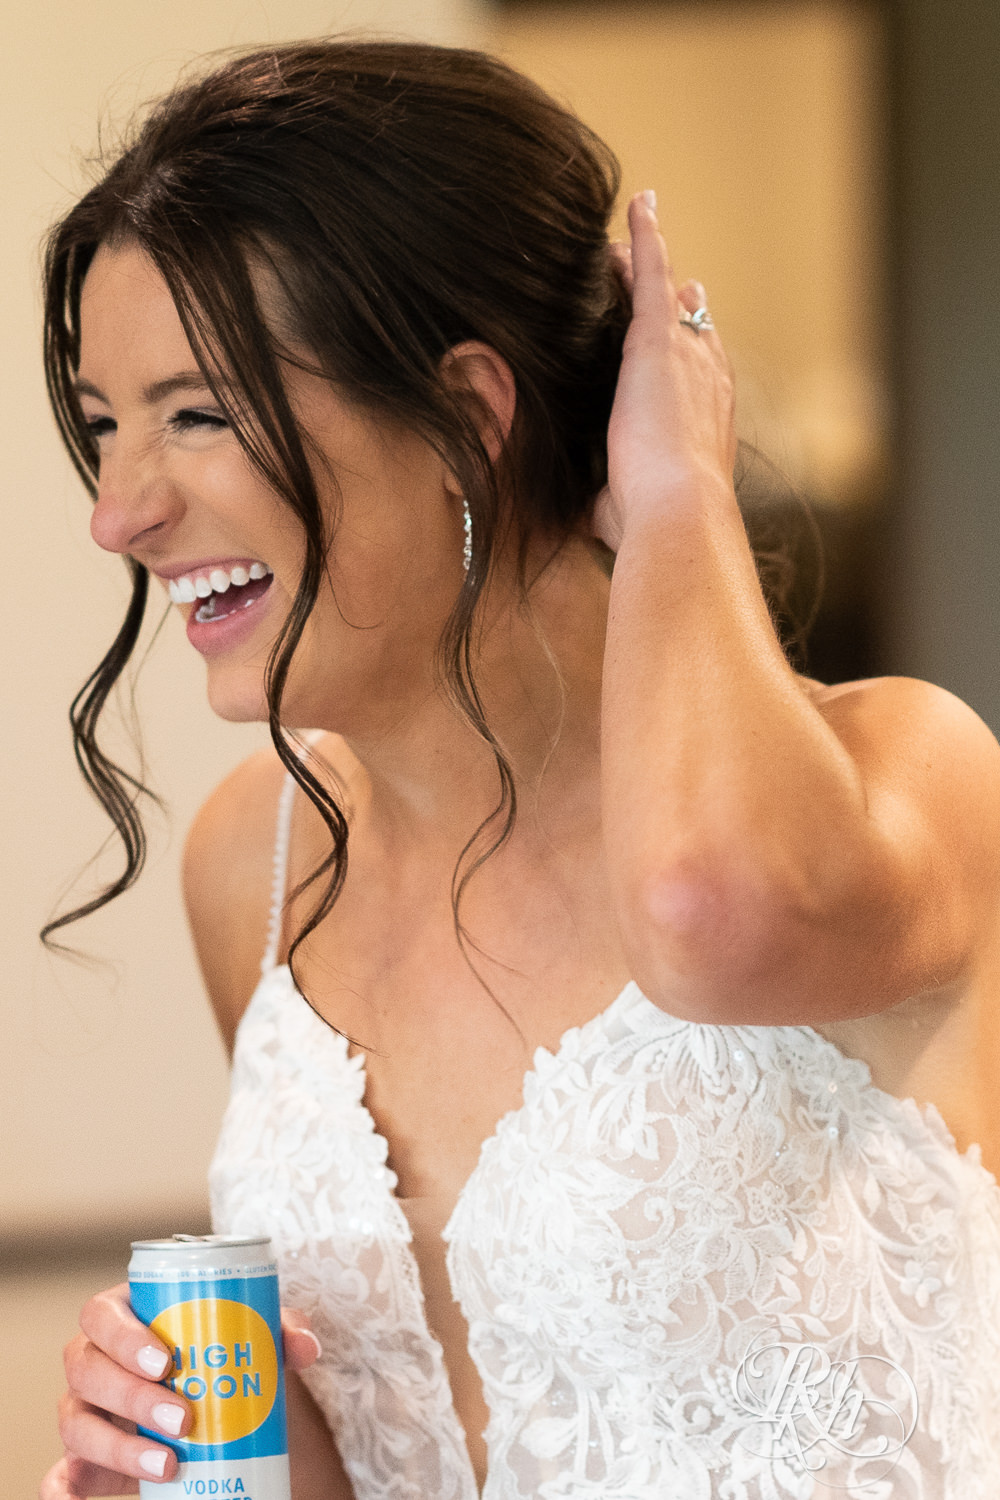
pixel 478 371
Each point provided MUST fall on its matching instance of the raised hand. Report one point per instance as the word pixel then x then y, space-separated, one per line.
pixel 672 421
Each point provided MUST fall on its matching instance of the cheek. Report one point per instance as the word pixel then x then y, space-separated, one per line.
pixel 368 642
pixel 239 495
pixel 404 574
pixel 364 583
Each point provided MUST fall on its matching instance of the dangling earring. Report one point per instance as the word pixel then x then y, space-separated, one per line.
pixel 467 525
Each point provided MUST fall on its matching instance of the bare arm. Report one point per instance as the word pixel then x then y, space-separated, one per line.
pixel 777 854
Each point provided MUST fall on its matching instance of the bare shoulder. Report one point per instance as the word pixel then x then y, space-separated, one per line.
pixel 904 716
pixel 928 754
pixel 226 873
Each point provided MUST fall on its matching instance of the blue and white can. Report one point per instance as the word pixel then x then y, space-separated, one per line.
pixel 213 1300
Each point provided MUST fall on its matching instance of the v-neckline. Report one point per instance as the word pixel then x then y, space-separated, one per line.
pixel 856 1068
pixel 358 1062
pixel 386 1204
pixel 394 1210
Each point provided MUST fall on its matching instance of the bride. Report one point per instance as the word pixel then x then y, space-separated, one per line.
pixel 615 1086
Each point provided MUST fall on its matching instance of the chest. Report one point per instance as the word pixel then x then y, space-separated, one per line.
pixel 447 1032
pixel 664 1191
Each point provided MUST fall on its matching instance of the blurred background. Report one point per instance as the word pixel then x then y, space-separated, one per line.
pixel 828 169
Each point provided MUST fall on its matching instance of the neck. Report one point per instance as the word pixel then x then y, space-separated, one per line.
pixel 537 668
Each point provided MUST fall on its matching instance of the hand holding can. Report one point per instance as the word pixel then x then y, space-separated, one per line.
pixel 213 1301
pixel 112 1368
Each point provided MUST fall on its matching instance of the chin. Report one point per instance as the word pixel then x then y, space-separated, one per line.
pixel 237 702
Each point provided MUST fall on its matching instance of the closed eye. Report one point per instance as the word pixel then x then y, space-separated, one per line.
pixel 188 418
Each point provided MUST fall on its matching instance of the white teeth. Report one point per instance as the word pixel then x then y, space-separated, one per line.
pixel 188 589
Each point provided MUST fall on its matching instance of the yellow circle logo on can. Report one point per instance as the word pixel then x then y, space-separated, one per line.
pixel 225 1363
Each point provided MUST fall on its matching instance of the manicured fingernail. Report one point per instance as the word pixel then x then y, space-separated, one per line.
pixel 153 1461
pixel 649 198
pixel 168 1418
pixel 152 1360
pixel 310 1335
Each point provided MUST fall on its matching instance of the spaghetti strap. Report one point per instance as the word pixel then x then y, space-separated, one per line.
pixel 279 863
pixel 279 876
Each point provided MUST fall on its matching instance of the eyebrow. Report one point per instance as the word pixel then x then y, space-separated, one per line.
pixel 189 380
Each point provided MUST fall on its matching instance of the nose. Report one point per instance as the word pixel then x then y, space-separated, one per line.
pixel 136 503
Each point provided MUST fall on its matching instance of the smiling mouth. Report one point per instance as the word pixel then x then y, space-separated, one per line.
pixel 238 596
pixel 222 592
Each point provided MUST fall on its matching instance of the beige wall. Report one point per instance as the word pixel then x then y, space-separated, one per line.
pixel 761 139
pixel 760 126
pixel 111 1079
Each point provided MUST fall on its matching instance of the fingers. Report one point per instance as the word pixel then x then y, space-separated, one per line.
pixel 651 272
pixel 109 1322
pixel 691 296
pixel 97 1381
pixel 605 521
pixel 302 1347
pixel 112 1370
pixel 653 294
pixel 89 1436
pixel 621 260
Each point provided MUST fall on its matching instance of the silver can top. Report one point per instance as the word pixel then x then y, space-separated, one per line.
pixel 189 1256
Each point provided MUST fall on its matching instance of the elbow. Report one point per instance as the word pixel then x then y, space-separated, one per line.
pixel 720 945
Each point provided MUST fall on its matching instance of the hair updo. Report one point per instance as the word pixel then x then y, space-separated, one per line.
pixel 405 197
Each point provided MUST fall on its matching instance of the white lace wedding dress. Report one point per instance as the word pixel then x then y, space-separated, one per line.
pixel 698 1263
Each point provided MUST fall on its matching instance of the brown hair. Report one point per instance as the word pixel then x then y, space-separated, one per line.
pixel 406 197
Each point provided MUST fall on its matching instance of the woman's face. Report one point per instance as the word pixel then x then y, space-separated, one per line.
pixel 177 493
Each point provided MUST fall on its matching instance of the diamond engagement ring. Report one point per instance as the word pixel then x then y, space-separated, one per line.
pixel 700 319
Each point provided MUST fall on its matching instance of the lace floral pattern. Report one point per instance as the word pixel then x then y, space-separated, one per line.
pixel 299 1159
pixel 682 1229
